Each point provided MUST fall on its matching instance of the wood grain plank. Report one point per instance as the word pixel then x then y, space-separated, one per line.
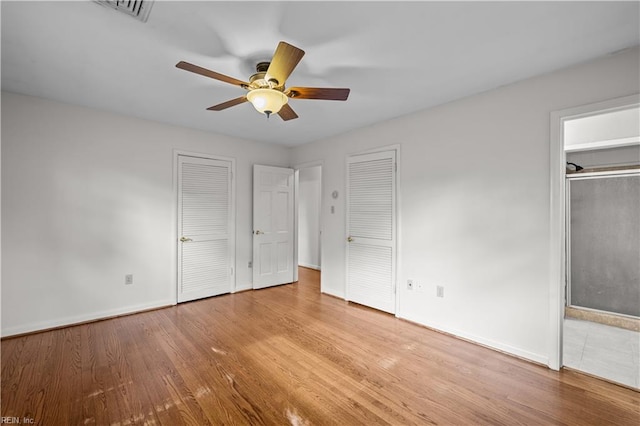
pixel 94 405
pixel 287 355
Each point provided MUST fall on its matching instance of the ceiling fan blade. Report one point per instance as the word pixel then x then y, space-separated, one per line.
pixel 284 60
pixel 211 74
pixel 228 104
pixel 287 113
pixel 324 93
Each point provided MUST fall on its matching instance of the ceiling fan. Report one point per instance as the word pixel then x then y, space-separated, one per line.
pixel 266 90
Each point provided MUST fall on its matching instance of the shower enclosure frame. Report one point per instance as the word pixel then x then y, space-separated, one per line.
pixel 584 176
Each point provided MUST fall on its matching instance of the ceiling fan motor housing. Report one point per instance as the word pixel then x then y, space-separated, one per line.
pixel 262 66
pixel 258 79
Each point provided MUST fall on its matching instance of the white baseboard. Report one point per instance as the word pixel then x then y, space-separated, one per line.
pixel 333 293
pixel 243 287
pixel 491 344
pixel 78 319
pixel 307 265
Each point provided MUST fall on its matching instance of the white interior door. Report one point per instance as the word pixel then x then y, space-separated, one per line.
pixel 371 230
pixel 205 225
pixel 273 219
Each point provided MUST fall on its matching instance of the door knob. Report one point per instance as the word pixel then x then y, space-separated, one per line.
pixel 349 239
pixel 185 239
pixel 258 232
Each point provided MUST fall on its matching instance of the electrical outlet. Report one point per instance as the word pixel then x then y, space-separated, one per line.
pixel 128 279
pixel 410 284
pixel 439 291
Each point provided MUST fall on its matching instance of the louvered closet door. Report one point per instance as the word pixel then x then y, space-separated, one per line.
pixel 204 228
pixel 371 230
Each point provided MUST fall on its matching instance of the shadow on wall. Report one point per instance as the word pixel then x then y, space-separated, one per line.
pixel 475 252
pixel 90 226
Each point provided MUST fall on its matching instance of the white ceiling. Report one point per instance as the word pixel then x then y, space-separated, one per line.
pixel 397 57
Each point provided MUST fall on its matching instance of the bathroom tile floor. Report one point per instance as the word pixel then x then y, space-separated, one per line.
pixel 609 352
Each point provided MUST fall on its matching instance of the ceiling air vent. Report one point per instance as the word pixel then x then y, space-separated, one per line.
pixel 138 9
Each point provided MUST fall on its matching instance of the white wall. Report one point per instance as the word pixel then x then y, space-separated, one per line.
pixel 612 128
pixel 309 216
pixel 474 204
pixel 87 197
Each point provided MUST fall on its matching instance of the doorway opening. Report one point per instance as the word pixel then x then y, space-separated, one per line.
pixel 308 229
pixel 597 183
pixel 309 181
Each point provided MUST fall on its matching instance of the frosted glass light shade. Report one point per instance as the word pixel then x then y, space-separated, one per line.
pixel 267 101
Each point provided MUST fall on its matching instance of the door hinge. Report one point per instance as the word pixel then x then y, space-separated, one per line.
pixel 231 271
pixel 395 167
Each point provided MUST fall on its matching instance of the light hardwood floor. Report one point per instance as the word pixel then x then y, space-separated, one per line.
pixel 287 355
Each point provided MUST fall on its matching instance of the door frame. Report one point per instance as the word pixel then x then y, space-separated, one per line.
pixel 558 210
pixel 175 226
pixel 398 210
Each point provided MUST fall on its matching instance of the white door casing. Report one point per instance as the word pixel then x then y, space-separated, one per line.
pixel 205 227
pixel 371 230
pixel 557 208
pixel 273 226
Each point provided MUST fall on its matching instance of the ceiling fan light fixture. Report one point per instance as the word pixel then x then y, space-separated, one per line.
pixel 267 101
